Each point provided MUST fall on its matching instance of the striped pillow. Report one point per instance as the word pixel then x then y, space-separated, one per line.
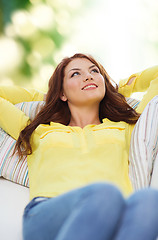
pixel 133 102
pixel 10 166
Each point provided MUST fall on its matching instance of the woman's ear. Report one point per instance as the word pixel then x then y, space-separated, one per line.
pixel 63 97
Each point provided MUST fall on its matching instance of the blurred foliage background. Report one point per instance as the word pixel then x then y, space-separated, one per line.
pixel 33 33
pixel 36 34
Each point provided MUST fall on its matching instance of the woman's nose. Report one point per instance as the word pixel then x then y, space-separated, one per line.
pixel 88 76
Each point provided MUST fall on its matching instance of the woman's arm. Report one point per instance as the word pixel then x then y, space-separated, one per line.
pixel 15 94
pixel 150 94
pixel 139 82
pixel 12 120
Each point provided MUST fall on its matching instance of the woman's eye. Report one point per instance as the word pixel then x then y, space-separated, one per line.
pixel 75 74
pixel 95 70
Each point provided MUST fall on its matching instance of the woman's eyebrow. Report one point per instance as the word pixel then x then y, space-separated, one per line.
pixel 80 69
pixel 74 69
pixel 92 66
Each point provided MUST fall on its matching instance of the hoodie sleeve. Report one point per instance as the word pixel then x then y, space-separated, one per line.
pixel 16 94
pixel 12 120
pixel 141 81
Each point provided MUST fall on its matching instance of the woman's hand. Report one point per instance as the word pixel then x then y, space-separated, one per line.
pixel 131 80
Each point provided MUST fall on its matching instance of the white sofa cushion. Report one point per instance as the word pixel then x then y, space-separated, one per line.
pixel 13 200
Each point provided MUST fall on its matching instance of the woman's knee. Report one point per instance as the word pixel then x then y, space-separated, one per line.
pixel 145 201
pixel 105 199
pixel 105 192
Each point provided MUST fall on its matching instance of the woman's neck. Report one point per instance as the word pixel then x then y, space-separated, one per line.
pixel 83 116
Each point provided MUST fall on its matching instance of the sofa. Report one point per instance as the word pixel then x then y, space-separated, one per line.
pixel 14 182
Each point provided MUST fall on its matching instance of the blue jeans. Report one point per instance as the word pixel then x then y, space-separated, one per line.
pixel 97 211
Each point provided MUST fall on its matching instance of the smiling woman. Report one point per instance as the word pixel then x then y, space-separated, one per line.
pixel 108 104
pixel 77 154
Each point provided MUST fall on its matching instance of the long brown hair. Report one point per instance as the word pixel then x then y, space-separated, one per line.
pixel 113 106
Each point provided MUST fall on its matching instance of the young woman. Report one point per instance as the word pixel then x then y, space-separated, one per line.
pixel 77 149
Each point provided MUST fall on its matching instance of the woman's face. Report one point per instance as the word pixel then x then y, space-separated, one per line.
pixel 83 83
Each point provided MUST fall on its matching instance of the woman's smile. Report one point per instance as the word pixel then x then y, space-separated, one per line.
pixel 90 86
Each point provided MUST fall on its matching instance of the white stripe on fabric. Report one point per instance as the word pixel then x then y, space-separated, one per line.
pixel 144 146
